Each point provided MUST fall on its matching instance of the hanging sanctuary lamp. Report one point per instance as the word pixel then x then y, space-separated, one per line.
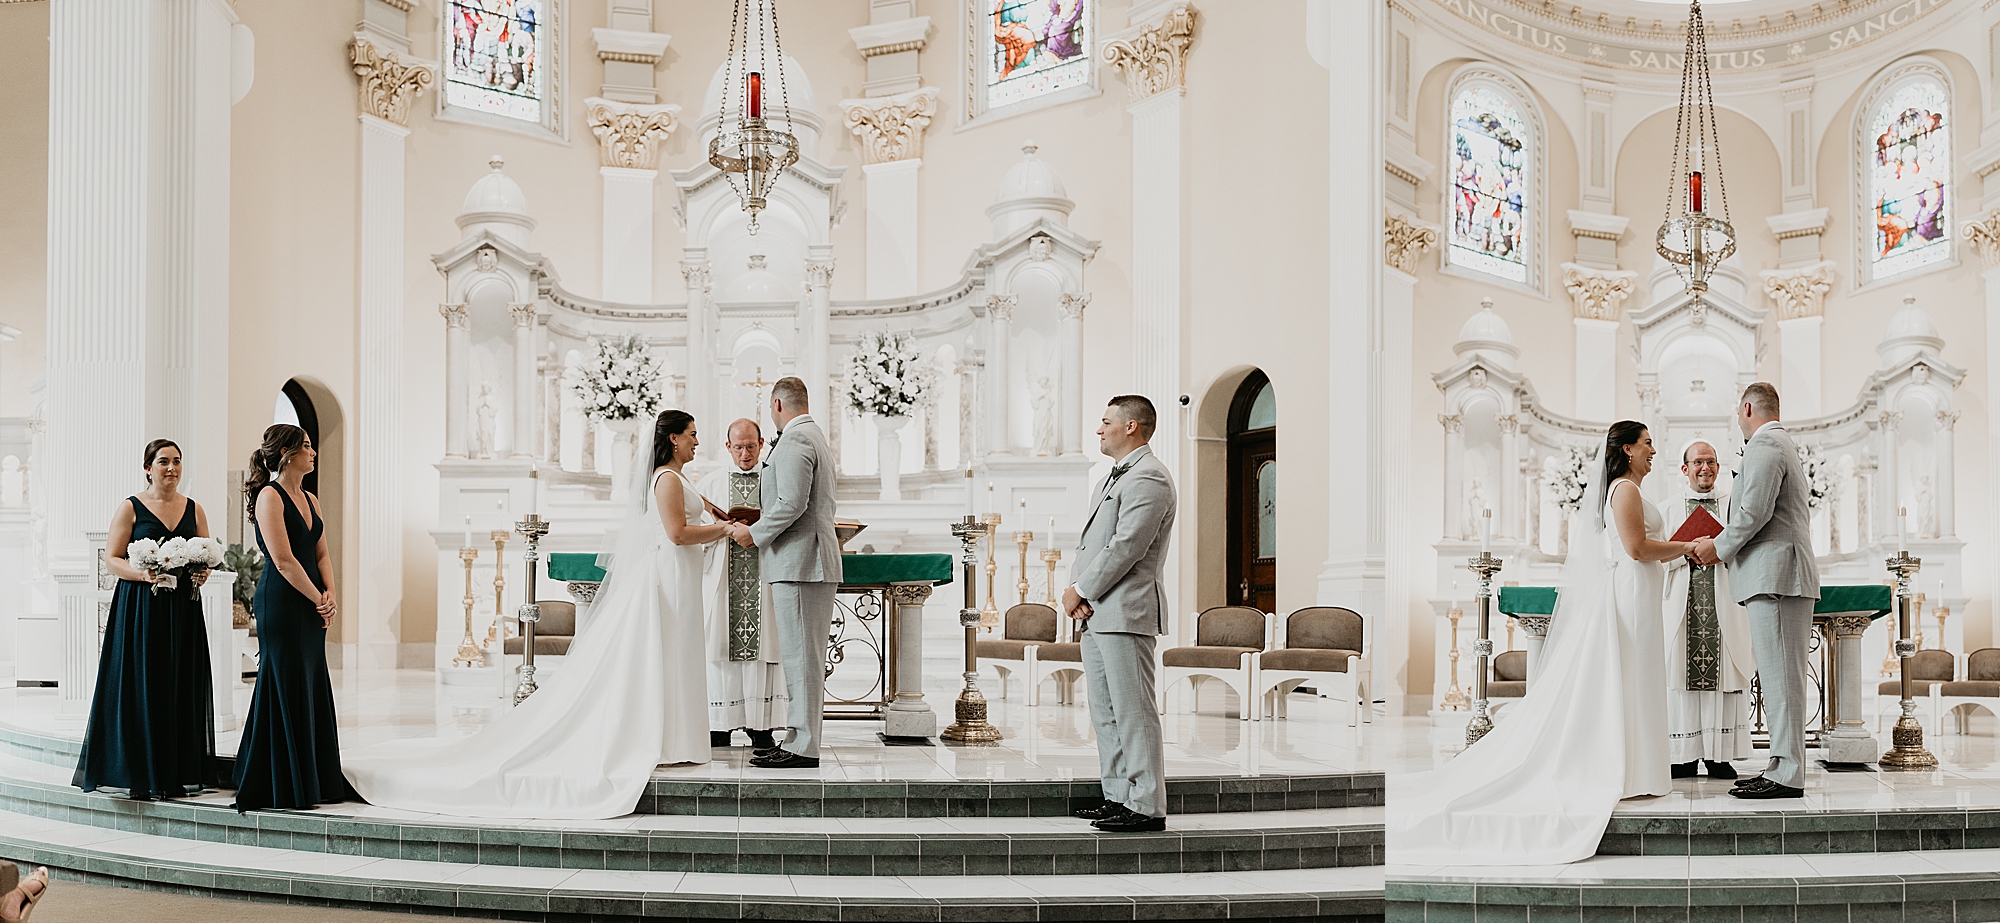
pixel 749 149
pixel 1696 235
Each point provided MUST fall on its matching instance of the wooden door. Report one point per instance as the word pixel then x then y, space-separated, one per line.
pixel 1253 509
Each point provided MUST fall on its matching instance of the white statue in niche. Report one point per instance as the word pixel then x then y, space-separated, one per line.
pixel 1926 508
pixel 1044 396
pixel 487 409
pixel 1475 506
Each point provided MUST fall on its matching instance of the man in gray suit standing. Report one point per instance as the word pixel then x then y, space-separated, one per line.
pixel 1767 544
pixel 1117 590
pixel 799 557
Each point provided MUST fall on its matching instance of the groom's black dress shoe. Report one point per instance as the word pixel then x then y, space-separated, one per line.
pixel 762 740
pixel 764 753
pixel 1101 811
pixel 785 759
pixel 1769 790
pixel 1131 822
pixel 1687 770
pixel 1756 781
pixel 1720 770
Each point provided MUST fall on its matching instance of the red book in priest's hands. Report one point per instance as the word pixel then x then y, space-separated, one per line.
pixel 1699 524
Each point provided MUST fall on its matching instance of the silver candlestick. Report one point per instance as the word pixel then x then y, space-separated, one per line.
pixel 971 725
pixel 1485 566
pixel 534 527
pixel 1906 749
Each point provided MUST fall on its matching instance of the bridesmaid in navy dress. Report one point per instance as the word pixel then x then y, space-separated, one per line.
pixel 290 754
pixel 152 721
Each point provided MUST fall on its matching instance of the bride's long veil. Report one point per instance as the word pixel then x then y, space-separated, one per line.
pixel 629 557
pixel 1584 589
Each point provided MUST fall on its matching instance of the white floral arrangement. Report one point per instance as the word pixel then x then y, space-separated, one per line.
pixel 887 375
pixel 174 558
pixel 1573 478
pixel 1818 480
pixel 623 382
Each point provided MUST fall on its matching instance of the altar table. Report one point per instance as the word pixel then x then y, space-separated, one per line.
pixel 1841 615
pixel 870 584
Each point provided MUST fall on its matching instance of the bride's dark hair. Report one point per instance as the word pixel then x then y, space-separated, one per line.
pixel 1616 463
pixel 670 423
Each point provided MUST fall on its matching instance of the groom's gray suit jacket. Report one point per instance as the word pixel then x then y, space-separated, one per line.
pixel 794 530
pixel 1124 547
pixel 1767 542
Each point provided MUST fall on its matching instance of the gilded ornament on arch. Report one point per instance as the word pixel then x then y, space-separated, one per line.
pixel 1155 60
pixel 387 84
pixel 629 136
pixel 1403 241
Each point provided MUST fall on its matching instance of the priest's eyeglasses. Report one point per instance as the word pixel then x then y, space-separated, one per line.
pixel 1704 463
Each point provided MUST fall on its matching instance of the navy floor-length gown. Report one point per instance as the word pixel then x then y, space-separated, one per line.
pixel 290 754
pixel 152 719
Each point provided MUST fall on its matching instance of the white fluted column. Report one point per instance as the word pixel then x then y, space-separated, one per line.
pixel 526 382
pixel 1800 296
pixel 816 335
pixel 1889 480
pixel 1946 495
pixel 999 330
pixel 1454 474
pixel 1070 410
pixel 1508 516
pixel 891 133
pixel 457 377
pixel 628 234
pixel 700 323
pixel 379 385
pixel 969 369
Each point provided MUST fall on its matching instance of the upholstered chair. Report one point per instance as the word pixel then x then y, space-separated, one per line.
pixel 1023 628
pixel 1929 670
pixel 1226 642
pixel 1322 645
pixel 553 631
pixel 1979 689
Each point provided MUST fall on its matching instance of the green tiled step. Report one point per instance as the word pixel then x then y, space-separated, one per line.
pixel 272 874
pixel 1738 896
pixel 1218 795
pixel 40 748
pixel 890 847
pixel 1771 834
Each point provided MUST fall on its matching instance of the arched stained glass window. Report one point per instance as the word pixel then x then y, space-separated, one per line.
pixel 1491 154
pixel 1907 157
pixel 1029 51
pixel 501 63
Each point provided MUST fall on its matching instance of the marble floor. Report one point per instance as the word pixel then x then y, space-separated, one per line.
pixel 1049 742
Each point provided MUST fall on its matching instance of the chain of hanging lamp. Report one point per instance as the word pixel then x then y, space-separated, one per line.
pixel 750 152
pixel 1693 237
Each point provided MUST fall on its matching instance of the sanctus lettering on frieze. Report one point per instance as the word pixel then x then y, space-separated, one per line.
pixel 1641 48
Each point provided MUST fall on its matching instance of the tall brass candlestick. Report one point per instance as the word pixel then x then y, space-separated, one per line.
pixel 1486 565
pixel 1454 697
pixel 1942 611
pixel 969 712
pixel 1021 540
pixel 468 647
pixel 1917 616
pixel 989 617
pixel 1907 738
pixel 534 527
pixel 497 635
pixel 1051 557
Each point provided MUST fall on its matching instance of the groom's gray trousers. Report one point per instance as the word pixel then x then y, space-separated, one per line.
pixel 803 613
pixel 1125 711
pixel 1780 632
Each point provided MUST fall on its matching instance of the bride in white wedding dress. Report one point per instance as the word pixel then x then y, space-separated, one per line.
pixel 1539 788
pixel 631 694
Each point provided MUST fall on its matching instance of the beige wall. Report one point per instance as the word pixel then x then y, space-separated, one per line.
pixel 24 179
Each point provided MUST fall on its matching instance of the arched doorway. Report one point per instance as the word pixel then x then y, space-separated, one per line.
pixel 295 406
pixel 1253 495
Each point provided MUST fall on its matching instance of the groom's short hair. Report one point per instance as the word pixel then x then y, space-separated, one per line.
pixel 1762 397
pixel 1136 408
pixel 793 392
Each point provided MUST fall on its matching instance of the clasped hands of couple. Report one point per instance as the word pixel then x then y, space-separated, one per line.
pixel 1702 551
pixel 731 529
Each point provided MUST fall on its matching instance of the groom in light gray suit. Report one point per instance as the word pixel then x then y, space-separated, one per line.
pixel 1117 590
pixel 799 557
pixel 1768 547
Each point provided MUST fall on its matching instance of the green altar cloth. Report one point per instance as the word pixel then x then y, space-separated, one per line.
pixel 859 569
pixel 1871 598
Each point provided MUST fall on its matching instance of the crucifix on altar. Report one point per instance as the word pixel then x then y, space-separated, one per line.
pixel 761 410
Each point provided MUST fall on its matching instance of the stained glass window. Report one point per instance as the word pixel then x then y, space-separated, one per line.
pixel 1038 47
pixel 1910 171
pixel 496 52
pixel 1489 154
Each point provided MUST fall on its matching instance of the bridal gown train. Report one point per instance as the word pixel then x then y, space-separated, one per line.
pixel 1539 788
pixel 631 694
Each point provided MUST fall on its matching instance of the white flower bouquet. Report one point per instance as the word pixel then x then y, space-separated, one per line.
pixel 174 558
pixel 623 382
pixel 887 375
pixel 1572 478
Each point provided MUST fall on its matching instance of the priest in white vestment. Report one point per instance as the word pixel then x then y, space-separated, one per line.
pixel 746 683
pixel 1709 660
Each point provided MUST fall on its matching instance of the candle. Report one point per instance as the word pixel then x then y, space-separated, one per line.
pixel 1694 192
pixel 1486 530
pixel 468 531
pixel 1902 528
pixel 534 490
pixel 969 511
pixel 1050 542
pixel 989 497
pixel 1454 595
pixel 754 94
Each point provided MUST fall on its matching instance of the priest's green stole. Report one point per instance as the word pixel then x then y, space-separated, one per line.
pixel 745 603
pixel 1704 629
